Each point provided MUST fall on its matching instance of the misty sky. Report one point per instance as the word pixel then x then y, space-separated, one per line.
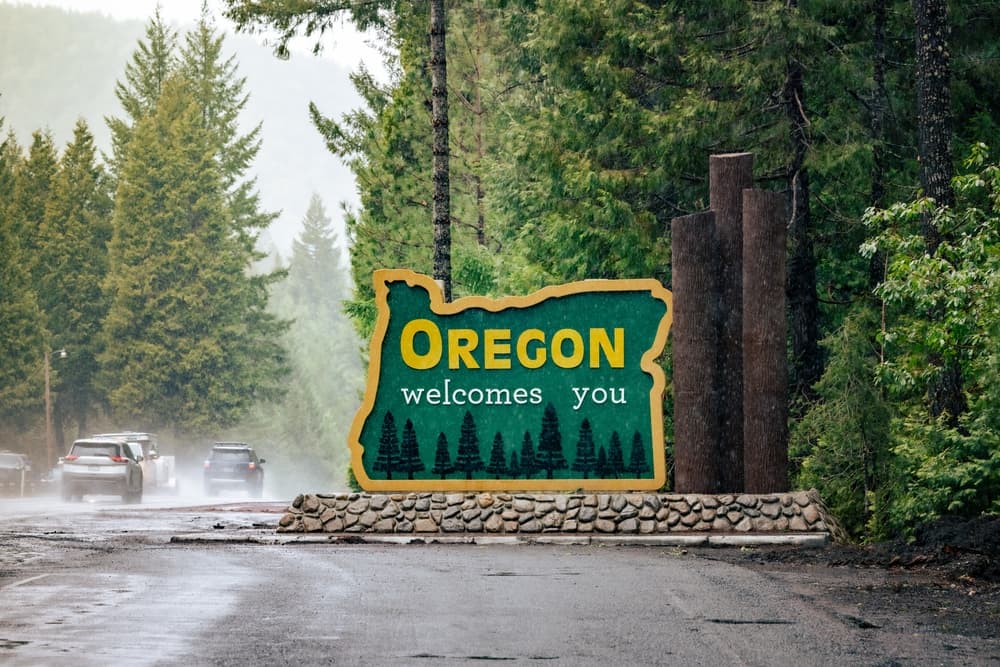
pixel 351 47
pixel 323 174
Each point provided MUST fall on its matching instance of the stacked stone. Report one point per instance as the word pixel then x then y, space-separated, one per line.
pixel 599 513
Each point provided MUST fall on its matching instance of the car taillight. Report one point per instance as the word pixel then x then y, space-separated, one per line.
pixel 118 459
pixel 252 466
pixel 71 457
pixel 208 464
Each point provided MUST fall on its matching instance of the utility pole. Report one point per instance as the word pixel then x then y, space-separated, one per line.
pixel 49 444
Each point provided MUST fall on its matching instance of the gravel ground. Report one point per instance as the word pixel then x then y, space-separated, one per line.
pixel 948 576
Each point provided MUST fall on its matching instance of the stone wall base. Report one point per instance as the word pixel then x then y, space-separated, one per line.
pixel 534 513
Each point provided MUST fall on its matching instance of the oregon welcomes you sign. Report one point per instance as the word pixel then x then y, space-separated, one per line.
pixel 557 390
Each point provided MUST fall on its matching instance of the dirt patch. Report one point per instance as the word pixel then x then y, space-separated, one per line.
pixel 947 578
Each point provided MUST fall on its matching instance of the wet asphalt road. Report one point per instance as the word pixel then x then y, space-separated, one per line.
pixel 100 583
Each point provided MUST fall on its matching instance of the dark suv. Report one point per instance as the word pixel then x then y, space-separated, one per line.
pixel 234 465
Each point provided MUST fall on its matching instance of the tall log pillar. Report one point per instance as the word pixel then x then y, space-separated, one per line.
pixel 695 273
pixel 764 351
pixel 728 176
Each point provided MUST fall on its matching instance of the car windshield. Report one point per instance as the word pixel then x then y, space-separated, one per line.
pixel 95 449
pixel 233 455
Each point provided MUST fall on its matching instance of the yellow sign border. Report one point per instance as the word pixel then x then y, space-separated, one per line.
pixel 381 279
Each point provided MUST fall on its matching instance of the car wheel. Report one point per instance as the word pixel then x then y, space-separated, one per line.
pixel 67 493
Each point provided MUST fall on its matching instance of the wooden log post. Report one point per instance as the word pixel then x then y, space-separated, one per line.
pixel 765 407
pixel 728 176
pixel 694 270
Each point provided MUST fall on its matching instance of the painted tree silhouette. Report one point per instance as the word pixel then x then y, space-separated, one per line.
pixel 601 466
pixel 514 467
pixel 637 461
pixel 498 464
pixel 585 460
pixel 529 464
pixel 387 456
pixel 409 452
pixel 550 454
pixel 468 459
pixel 442 458
pixel 616 459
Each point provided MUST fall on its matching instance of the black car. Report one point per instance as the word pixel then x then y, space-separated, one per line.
pixel 234 465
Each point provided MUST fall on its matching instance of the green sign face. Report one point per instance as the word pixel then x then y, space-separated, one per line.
pixel 557 390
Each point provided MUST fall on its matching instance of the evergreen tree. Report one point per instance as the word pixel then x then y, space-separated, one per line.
pixel 409 452
pixel 316 261
pixel 550 455
pixel 442 458
pixel 220 93
pixel 468 459
pixel 585 462
pixel 32 186
pixel 22 344
pixel 637 457
pixel 387 457
pixel 514 467
pixel 73 251
pixel 601 464
pixel 616 458
pixel 188 341
pixel 323 351
pixel 498 458
pixel 529 464
pixel 152 63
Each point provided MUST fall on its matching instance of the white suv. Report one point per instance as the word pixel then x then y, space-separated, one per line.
pixel 102 466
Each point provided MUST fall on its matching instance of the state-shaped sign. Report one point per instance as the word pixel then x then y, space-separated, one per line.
pixel 558 390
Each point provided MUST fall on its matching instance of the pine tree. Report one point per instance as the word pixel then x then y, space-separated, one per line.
pixel 32 186
pixel 550 455
pixel 188 341
pixel 585 461
pixel 152 63
pixel 220 92
pixel 498 458
pixel 442 458
pixel 322 347
pixel 409 452
pixel 601 465
pixel 637 459
pixel 529 464
pixel 616 458
pixel 73 252
pixel 468 460
pixel 22 344
pixel 387 457
pixel 514 467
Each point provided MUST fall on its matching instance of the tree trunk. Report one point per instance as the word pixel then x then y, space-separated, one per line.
pixel 934 123
pixel 728 176
pixel 807 361
pixel 933 109
pixel 440 209
pixel 765 402
pixel 694 261
pixel 878 106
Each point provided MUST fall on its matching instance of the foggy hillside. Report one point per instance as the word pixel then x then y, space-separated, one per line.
pixel 58 66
